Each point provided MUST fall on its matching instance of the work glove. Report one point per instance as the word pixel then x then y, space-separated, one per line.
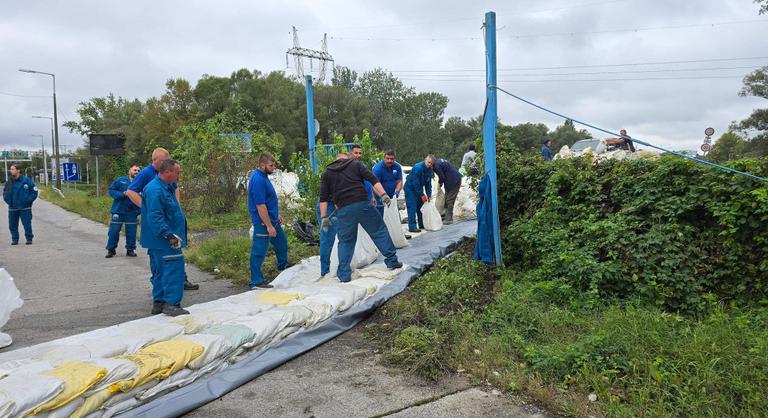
pixel 173 240
pixel 423 198
pixel 385 199
pixel 325 223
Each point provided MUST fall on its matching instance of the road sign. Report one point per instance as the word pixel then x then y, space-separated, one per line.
pixel 706 147
pixel 709 131
pixel 14 154
pixel 71 172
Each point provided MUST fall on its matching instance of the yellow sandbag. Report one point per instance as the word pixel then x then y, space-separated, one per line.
pixel 151 366
pixel 181 351
pixel 93 402
pixel 279 298
pixel 77 376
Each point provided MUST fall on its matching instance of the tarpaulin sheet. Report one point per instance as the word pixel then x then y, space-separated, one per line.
pixel 423 252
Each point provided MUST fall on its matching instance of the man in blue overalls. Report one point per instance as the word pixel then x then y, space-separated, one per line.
pixel 146 175
pixel 124 212
pixel 418 189
pixel 342 184
pixel 164 234
pixel 262 205
pixel 390 174
pixel 19 193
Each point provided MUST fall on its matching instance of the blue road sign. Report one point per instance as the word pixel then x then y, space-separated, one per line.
pixel 71 172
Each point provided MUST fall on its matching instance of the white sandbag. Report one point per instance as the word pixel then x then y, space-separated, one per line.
pixel 137 334
pixel 234 335
pixel 263 325
pixel 28 391
pixel 377 271
pixel 370 284
pixel 117 369
pixel 357 293
pixel 101 347
pixel 296 315
pixel 7 405
pixel 306 271
pixel 57 354
pixel 24 366
pixel 320 310
pixel 318 304
pixel 394 225
pixel 180 379
pixel 10 300
pixel 432 221
pixel 440 201
pixel 214 348
pixel 64 411
pixel 365 252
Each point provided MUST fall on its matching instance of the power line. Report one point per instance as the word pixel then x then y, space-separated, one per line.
pixel 553 34
pixel 562 67
pixel 665 70
pixel 576 80
pixel 2 93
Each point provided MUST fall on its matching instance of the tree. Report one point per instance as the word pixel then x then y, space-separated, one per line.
pixel 344 77
pixel 525 136
pixel 729 146
pixel 755 127
pixel 164 115
pixel 566 134
pixel 763 6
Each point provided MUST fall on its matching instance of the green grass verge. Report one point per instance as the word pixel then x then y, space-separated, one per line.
pixel 228 256
pixel 85 203
pixel 562 347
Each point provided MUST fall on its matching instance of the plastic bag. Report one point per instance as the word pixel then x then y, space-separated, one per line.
pixel 392 219
pixel 432 221
pixel 10 300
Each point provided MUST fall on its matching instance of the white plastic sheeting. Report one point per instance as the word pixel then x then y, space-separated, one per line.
pixel 10 300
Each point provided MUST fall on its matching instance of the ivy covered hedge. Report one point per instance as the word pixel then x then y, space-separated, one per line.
pixel 672 232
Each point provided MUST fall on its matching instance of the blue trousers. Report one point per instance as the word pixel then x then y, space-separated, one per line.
pixel 259 247
pixel 413 204
pixel 365 215
pixel 167 266
pixel 326 239
pixel 117 222
pixel 26 220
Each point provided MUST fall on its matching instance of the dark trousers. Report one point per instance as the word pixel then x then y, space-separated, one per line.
pixel 450 200
pixel 25 215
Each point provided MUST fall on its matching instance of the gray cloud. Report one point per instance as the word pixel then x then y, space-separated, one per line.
pixel 131 48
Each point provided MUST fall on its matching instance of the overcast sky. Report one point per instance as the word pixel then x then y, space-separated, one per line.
pixel 131 48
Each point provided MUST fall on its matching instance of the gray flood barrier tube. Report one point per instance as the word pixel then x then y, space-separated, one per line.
pixel 423 252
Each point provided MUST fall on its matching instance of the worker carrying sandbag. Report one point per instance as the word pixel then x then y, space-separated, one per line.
pixel 418 189
pixel 342 184
pixel 449 178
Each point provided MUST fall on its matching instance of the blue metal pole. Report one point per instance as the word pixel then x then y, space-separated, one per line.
pixel 489 125
pixel 311 123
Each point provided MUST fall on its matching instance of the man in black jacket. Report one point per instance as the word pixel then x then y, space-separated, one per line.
pixel 342 185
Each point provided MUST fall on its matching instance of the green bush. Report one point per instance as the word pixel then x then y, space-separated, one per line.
pixel 680 235
pixel 419 350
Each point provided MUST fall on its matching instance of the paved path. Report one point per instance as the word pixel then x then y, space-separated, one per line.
pixel 69 287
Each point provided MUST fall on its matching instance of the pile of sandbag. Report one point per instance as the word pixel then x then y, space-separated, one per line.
pixel 111 370
pixel 10 300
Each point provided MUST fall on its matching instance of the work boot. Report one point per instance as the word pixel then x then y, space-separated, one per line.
pixel 130 253
pixel 14 242
pixel 414 230
pixel 407 236
pixel 448 222
pixel 261 286
pixel 395 266
pixel 174 310
pixel 157 307
pixel 110 254
pixel 190 286
pixel 29 242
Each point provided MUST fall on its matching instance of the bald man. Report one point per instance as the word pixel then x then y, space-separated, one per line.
pixel 146 175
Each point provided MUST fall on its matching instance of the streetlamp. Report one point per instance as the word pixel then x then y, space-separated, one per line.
pixel 53 143
pixel 45 162
pixel 55 123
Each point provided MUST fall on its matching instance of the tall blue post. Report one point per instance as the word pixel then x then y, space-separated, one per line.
pixel 311 123
pixel 489 125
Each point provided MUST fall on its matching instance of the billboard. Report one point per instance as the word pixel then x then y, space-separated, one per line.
pixel 106 144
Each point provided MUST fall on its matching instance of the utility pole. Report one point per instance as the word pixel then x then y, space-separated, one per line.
pixel 55 123
pixel 299 54
pixel 489 125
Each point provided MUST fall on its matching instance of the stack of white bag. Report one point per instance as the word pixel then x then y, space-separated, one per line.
pixel 394 226
pixel 10 300
pixel 114 369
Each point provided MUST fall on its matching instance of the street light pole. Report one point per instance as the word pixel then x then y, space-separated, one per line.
pixel 53 143
pixel 55 123
pixel 45 162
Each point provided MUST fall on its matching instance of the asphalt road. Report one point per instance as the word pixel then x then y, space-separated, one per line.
pixel 69 287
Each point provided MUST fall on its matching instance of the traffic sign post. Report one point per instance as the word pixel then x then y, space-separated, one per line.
pixel 71 173
pixel 707 145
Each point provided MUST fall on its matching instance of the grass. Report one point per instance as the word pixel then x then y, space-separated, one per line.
pixel 561 348
pixel 227 256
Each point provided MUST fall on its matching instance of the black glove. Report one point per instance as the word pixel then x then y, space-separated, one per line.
pixel 173 240
pixel 385 199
